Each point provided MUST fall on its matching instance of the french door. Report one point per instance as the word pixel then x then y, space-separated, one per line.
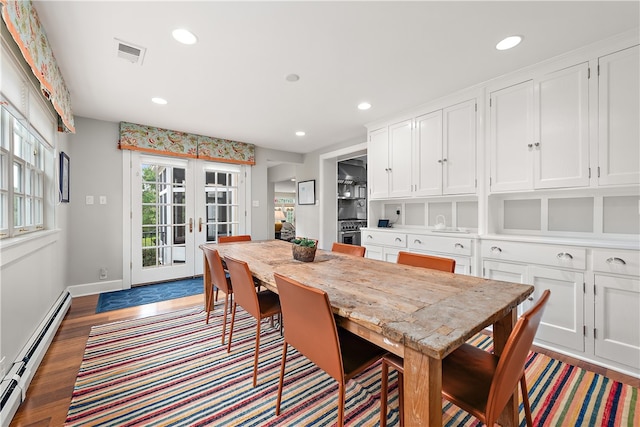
pixel 177 205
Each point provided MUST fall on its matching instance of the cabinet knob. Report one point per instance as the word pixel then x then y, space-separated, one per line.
pixel 530 298
pixel 439 161
pixel 458 245
pixel 530 145
pixel 444 160
pixel 616 260
pixel 537 144
pixel 417 241
pixel 495 249
pixel 564 255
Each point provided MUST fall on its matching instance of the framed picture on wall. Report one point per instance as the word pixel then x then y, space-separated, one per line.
pixel 307 192
pixel 64 177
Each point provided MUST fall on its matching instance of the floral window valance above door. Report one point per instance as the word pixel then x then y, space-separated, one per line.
pixel 181 144
pixel 22 22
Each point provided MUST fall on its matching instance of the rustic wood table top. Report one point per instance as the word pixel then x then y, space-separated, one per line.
pixel 429 311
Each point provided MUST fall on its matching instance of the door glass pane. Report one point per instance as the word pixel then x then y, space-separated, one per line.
pixel 221 195
pixel 163 215
pixel 18 211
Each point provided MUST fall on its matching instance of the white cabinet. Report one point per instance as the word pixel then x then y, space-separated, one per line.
pixel 444 154
pixel 618 112
pixel 389 161
pixel 539 132
pixel 433 154
pixel 383 245
pixel 511 138
pixel 617 306
pixel 560 269
pixel 378 163
pixel 458 248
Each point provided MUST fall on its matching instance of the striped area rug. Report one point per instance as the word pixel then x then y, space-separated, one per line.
pixel 170 369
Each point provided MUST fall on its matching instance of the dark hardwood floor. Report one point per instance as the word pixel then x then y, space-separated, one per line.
pixel 49 395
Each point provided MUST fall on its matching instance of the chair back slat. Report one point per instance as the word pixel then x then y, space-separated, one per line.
pixel 244 290
pixel 513 358
pixel 427 261
pixel 218 276
pixel 229 239
pixel 348 249
pixel 309 325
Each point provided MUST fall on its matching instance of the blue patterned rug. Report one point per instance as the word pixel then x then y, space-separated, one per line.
pixel 148 294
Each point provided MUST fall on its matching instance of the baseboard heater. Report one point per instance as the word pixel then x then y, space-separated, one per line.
pixel 17 380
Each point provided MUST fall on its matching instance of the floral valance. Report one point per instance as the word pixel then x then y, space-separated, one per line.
pixel 180 144
pixel 22 22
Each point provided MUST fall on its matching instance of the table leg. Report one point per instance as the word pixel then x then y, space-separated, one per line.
pixel 501 331
pixel 422 389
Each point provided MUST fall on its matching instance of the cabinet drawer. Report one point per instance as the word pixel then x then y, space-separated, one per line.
pixel 550 255
pixel 398 240
pixel 616 261
pixel 450 245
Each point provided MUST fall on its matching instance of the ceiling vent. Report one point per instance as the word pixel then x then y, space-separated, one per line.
pixel 130 52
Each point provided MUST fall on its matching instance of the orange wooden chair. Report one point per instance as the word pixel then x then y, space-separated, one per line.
pixel 239 238
pixel 309 326
pixel 482 383
pixel 260 305
pixel 348 249
pixel 427 261
pixel 219 280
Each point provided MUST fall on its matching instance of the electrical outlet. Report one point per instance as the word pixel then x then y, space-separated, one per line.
pixel 103 273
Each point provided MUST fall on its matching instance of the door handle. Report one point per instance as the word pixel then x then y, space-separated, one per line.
pixel 190 225
pixel 200 225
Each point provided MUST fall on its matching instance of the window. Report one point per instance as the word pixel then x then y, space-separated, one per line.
pixel 23 156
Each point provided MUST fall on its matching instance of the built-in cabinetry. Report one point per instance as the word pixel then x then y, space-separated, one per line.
pixel 555 267
pixel 539 132
pixel 618 112
pixel 385 244
pixel 558 200
pixel 616 288
pixel 430 154
pixel 594 309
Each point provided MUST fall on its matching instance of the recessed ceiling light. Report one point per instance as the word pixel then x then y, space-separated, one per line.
pixel 364 106
pixel 184 36
pixel 509 42
pixel 159 101
pixel 292 78
pixel 300 133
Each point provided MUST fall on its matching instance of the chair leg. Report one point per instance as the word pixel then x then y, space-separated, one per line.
pixel 216 297
pixel 207 301
pixel 233 319
pixel 401 397
pixel 255 356
pixel 281 382
pixel 341 393
pixel 224 321
pixel 525 401
pixel 383 394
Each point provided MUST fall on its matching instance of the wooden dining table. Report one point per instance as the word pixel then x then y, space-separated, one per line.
pixel 418 314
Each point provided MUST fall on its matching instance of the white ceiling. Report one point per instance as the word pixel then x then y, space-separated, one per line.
pixel 231 84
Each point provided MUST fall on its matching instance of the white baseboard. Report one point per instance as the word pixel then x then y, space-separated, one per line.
pixel 95 288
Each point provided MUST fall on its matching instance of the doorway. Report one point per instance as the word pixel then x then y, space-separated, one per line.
pixel 176 206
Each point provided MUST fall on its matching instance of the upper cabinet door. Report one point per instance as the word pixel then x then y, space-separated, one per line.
pixel 511 137
pixel 427 155
pixel 459 149
pixel 561 144
pixel 618 112
pixel 378 166
pixel 400 136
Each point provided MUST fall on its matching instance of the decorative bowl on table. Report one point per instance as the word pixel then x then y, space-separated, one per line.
pixel 303 249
